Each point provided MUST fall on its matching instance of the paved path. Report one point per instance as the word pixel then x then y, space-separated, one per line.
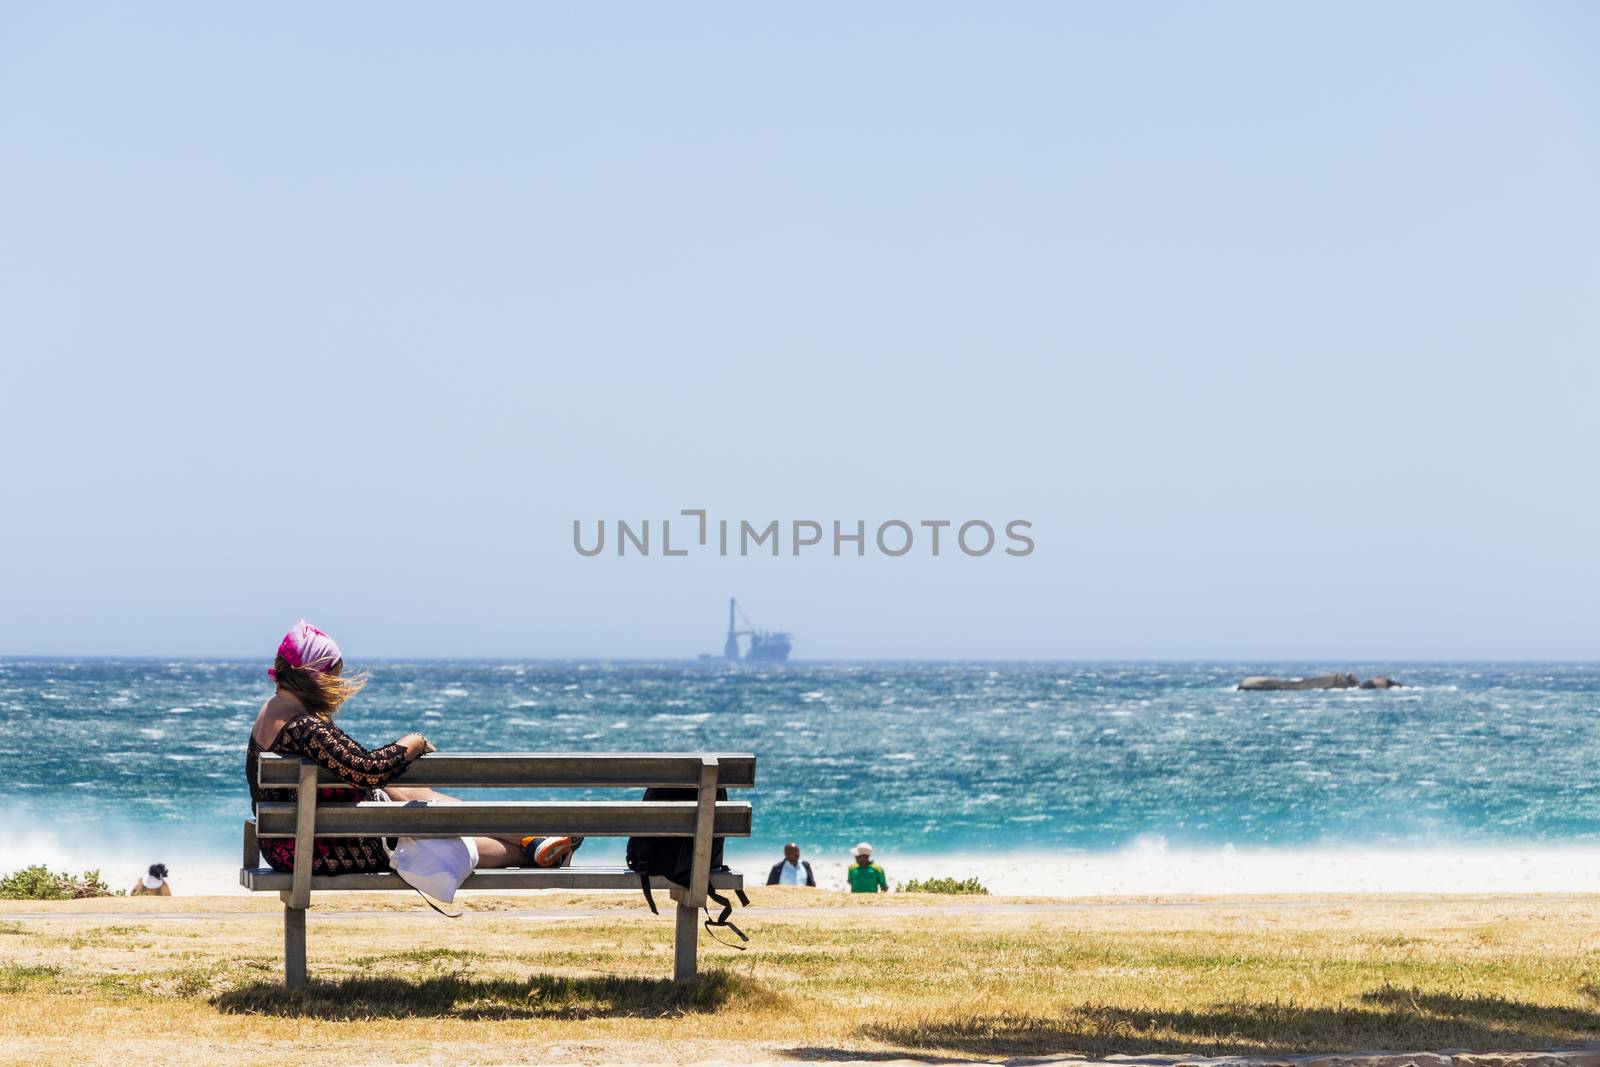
pixel 328 908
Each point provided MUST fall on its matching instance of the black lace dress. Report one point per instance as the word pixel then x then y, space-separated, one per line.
pixel 317 739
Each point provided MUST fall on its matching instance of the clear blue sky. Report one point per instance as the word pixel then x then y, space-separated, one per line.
pixel 1278 322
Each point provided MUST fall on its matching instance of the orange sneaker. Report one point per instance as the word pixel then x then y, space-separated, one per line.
pixel 550 851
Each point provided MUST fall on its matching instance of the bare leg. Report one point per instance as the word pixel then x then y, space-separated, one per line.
pixel 499 852
pixel 492 851
pixel 417 792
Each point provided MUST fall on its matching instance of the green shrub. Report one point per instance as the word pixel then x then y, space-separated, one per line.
pixel 970 886
pixel 40 883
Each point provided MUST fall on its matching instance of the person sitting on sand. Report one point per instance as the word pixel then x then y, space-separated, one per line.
pixel 866 876
pixel 298 721
pixel 153 884
pixel 791 870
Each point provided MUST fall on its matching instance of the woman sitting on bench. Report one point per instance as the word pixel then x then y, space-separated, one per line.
pixel 298 721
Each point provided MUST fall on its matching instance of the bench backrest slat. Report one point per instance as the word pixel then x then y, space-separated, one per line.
pixel 623 818
pixel 540 770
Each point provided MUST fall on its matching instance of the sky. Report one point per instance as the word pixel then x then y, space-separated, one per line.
pixel 1277 323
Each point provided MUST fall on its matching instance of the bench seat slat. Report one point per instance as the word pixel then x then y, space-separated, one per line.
pixel 265 879
pixel 540 770
pixel 606 818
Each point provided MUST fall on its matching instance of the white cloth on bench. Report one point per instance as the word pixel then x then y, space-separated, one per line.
pixel 433 866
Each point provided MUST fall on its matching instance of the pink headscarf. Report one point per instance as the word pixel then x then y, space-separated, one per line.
pixel 309 648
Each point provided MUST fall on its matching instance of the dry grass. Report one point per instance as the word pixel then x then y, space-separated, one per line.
pixel 190 981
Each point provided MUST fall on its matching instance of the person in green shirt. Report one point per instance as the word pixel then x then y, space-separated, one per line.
pixel 866 876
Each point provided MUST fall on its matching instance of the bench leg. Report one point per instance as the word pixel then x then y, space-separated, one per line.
pixel 683 957
pixel 294 947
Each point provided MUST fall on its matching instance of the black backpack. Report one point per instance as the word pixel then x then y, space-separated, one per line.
pixel 672 858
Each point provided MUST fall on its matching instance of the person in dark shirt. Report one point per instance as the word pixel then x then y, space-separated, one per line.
pixel 791 870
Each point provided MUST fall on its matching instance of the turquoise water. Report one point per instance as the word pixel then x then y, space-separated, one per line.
pixel 915 757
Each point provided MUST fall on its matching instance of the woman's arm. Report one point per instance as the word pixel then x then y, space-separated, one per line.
pixel 326 744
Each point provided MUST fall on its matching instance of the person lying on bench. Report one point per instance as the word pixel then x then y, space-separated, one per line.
pixel 298 721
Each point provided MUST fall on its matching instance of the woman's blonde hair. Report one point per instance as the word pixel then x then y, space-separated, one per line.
pixel 320 693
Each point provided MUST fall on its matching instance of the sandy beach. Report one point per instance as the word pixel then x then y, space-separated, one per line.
pixel 1149 867
pixel 576 978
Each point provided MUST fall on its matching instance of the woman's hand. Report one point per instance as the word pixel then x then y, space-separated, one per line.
pixel 416 745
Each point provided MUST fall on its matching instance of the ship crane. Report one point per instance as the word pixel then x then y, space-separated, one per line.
pixel 764 645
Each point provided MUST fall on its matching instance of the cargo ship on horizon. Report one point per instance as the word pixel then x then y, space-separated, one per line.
pixel 766 646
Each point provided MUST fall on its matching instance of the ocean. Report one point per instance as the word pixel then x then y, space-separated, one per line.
pixel 1035 777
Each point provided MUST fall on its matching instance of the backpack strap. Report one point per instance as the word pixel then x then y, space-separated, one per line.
pixel 649 898
pixel 722 920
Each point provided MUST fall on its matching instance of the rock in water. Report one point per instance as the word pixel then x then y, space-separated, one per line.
pixel 1322 681
pixel 1382 681
pixel 1259 681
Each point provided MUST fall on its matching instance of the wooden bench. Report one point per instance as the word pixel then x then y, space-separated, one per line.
pixel 304 819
